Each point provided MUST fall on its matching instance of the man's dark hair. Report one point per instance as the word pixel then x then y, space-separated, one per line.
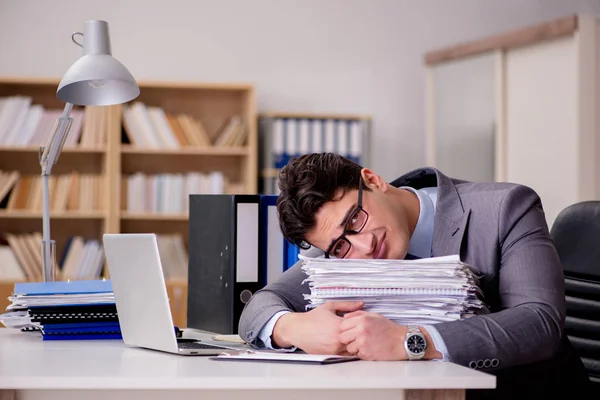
pixel 305 184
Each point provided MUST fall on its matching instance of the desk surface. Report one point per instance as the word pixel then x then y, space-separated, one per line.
pixel 27 362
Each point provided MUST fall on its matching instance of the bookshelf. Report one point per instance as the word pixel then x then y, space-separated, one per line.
pixel 114 156
pixel 283 135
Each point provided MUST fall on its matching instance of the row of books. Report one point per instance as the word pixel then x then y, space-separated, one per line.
pixel 23 123
pixel 74 191
pixel 282 139
pixel 82 259
pixel 152 127
pixel 21 258
pixel 169 193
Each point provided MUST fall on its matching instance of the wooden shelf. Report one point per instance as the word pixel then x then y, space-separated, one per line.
pixel 154 217
pixel 295 115
pixel 26 214
pixel 35 149
pixel 185 151
pixel 211 103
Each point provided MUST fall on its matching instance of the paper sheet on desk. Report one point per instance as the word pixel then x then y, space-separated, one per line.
pixel 229 338
pixel 283 357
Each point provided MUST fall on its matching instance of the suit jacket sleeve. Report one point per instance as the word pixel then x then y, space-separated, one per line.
pixel 286 294
pixel 530 322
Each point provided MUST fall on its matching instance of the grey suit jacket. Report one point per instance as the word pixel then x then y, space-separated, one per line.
pixel 498 228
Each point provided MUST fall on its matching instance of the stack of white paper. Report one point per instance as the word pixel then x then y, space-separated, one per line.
pixel 425 291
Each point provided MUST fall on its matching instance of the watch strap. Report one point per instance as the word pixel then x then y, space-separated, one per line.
pixel 413 330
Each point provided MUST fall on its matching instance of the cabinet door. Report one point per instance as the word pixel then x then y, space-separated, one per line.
pixel 462 109
pixel 542 132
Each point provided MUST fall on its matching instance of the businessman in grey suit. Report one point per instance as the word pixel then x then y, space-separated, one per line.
pixel 339 209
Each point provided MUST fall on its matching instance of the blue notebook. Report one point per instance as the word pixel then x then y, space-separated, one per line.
pixel 82 336
pixel 83 327
pixel 63 287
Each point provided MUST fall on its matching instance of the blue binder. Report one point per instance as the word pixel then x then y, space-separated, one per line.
pixel 63 287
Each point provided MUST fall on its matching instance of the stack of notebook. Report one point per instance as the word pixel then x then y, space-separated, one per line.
pixel 425 291
pixel 64 310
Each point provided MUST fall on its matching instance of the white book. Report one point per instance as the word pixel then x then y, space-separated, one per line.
pixel 163 128
pixel 356 140
pixel 304 140
pixel 342 135
pixel 19 119
pixel 32 121
pixel 10 269
pixel 318 144
pixel 291 138
pixel 330 136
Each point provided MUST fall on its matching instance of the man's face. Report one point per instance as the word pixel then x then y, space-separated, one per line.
pixel 385 230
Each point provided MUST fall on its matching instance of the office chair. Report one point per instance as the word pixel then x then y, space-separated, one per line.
pixel 576 235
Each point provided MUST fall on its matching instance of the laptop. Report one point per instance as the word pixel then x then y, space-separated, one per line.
pixel 141 299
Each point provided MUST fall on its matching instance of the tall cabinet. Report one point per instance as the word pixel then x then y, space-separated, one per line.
pixel 520 107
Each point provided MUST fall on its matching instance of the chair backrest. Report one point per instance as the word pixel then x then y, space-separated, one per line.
pixel 576 235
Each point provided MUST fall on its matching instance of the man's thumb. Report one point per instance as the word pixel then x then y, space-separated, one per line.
pixel 344 306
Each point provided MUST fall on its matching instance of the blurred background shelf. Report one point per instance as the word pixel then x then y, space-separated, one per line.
pixel 154 217
pixel 204 132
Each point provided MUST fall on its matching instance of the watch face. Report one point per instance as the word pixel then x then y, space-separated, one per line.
pixel 416 344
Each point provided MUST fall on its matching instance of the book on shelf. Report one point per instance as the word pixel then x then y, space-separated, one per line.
pixel 285 137
pixel 68 192
pixel 169 193
pixel 153 128
pixel 23 123
pixel 82 258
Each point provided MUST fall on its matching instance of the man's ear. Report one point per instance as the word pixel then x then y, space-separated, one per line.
pixel 373 181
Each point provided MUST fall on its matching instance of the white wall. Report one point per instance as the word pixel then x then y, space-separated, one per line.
pixel 350 56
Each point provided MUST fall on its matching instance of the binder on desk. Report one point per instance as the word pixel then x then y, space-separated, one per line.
pixel 86 331
pixel 277 255
pixel 224 269
pixel 272 243
pixel 81 314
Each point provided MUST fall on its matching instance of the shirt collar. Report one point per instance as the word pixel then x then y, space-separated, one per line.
pixel 422 237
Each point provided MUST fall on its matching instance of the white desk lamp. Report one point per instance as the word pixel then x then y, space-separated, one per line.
pixel 96 79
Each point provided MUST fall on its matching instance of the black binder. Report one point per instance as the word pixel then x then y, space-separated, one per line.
pixel 224 267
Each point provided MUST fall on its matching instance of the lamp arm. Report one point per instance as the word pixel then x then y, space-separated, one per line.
pixel 49 153
pixel 48 157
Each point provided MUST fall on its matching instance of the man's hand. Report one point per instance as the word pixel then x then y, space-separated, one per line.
pixel 316 331
pixel 373 337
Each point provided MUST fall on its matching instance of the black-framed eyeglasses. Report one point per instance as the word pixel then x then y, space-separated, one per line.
pixel 355 222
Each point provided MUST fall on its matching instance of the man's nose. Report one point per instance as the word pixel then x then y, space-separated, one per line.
pixel 362 243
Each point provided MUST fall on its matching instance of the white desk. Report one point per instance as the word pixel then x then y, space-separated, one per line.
pixel 34 369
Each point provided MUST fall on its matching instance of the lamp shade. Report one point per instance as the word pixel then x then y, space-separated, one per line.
pixel 97 78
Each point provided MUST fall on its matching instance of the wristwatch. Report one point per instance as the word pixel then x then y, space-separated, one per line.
pixel 415 343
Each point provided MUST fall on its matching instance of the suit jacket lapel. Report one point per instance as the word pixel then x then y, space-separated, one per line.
pixel 451 218
pixel 448 235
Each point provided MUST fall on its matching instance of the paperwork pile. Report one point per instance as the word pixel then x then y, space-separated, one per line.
pixel 425 291
pixel 64 310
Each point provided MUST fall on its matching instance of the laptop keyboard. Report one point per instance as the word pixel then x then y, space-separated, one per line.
pixel 193 344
